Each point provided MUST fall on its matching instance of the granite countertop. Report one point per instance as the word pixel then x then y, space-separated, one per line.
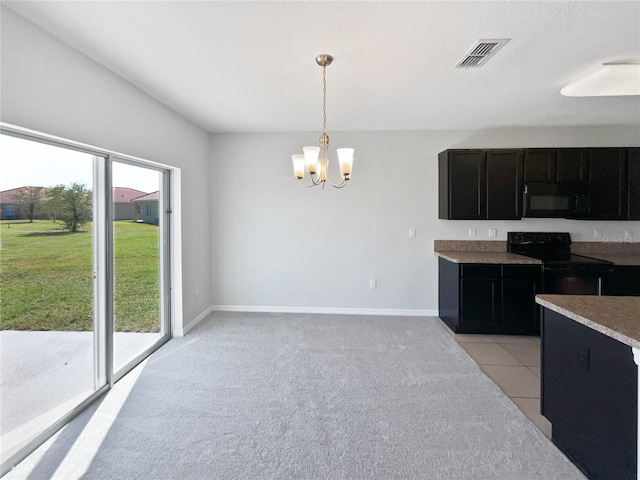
pixel 627 259
pixel 479 251
pixel 495 251
pixel 616 317
pixel 620 253
pixel 487 257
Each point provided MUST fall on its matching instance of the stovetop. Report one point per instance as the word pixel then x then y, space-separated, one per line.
pixel 550 247
pixel 562 258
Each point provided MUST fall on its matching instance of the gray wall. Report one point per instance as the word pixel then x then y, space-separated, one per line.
pixel 49 87
pixel 281 247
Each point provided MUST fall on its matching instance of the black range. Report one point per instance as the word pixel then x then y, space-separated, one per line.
pixel 562 271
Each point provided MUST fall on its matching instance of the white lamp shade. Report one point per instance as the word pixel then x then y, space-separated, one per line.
pixel 345 159
pixel 311 158
pixel 298 165
pixel 608 80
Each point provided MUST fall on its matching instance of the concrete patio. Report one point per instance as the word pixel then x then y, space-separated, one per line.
pixel 43 375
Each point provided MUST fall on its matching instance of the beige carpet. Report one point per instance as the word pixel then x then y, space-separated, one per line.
pixel 262 396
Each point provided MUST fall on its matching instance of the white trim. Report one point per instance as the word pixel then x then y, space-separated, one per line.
pixel 175 256
pixel 183 331
pixel 327 310
pixel 636 359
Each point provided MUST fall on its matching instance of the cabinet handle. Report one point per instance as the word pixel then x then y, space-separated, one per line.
pixel 479 189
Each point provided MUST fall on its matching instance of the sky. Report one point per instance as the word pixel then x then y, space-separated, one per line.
pixel 27 163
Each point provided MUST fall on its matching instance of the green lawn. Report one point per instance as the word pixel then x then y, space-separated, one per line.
pixel 46 277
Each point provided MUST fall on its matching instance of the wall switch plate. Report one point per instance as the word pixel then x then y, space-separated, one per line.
pixel 412 233
pixel 493 233
pixel 373 283
pixel 597 234
pixel 472 233
pixel 197 290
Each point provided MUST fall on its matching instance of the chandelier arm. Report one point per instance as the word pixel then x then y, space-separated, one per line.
pixel 314 183
pixel 340 185
pixel 306 186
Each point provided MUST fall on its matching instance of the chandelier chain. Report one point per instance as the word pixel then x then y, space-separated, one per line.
pixel 324 99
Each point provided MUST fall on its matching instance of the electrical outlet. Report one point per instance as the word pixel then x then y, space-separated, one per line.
pixel 493 233
pixel 597 234
pixel 627 235
pixel 412 233
pixel 472 233
pixel 373 283
pixel 197 290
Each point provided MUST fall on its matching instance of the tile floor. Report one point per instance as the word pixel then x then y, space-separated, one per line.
pixel 513 363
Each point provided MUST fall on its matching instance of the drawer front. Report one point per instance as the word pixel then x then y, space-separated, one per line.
pixel 469 270
pixel 521 271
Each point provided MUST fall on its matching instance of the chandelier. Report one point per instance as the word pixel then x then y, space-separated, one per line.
pixel 315 160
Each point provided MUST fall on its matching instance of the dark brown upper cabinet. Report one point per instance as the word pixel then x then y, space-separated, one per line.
pixel 608 183
pixel 462 184
pixel 487 184
pixel 480 184
pixel 633 184
pixel 504 184
pixel 556 165
pixel 572 165
pixel 539 165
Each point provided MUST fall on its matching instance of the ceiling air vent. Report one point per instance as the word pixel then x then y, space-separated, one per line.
pixel 482 51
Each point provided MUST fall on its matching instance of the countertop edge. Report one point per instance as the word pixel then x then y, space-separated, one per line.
pixel 496 258
pixel 631 342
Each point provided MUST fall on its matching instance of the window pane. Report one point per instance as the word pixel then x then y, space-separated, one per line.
pixel 137 267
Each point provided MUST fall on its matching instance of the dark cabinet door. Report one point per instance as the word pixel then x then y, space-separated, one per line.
pixel 572 165
pixel 479 305
pixel 504 184
pixel 633 186
pixel 520 283
pixel 462 185
pixel 607 184
pixel 539 165
pixel 623 281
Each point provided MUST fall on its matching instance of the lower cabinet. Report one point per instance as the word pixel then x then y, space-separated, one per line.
pixel 489 298
pixel 590 395
pixel 624 281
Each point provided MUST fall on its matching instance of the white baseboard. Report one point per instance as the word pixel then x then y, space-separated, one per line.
pixel 185 329
pixel 327 310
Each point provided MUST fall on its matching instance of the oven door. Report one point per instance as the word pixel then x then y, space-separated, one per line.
pixel 574 279
pixel 554 200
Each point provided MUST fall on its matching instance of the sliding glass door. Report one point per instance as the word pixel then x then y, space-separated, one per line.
pixel 47 317
pixel 84 279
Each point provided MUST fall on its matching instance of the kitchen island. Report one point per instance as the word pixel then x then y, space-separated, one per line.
pixel 589 390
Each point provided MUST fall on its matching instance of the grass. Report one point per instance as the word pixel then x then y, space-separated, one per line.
pixel 46 279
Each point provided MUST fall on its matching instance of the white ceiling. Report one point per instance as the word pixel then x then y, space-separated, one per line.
pixel 249 66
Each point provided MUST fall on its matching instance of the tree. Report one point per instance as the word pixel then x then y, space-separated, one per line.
pixel 30 200
pixel 72 205
pixel 53 204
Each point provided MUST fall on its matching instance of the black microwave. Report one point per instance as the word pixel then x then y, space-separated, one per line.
pixel 554 200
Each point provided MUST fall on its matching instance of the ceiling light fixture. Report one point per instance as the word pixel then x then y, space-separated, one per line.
pixel 315 160
pixel 611 79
